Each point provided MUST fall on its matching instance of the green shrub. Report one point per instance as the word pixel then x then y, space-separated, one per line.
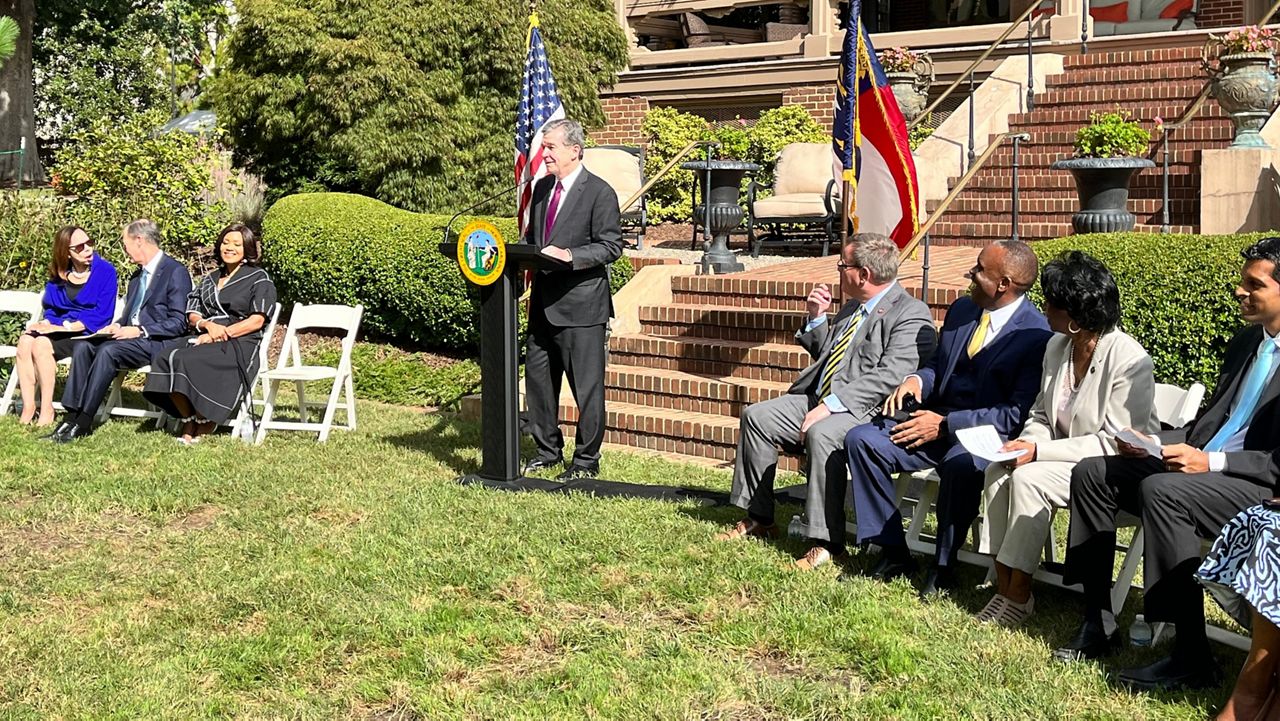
pixel 118 172
pixel 349 249
pixel 1175 294
pixel 669 130
pixel 28 221
pixel 1112 135
pixel 387 374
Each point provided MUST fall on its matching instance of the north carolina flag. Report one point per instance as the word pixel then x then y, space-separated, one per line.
pixel 871 142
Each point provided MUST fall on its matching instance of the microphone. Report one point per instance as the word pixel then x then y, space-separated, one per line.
pixel 448 226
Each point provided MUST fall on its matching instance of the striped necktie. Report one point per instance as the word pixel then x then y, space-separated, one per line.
pixel 979 334
pixel 837 354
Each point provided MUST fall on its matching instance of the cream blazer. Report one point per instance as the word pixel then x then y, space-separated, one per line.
pixel 1117 392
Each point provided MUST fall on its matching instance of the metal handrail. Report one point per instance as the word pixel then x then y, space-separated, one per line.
pixel 946 202
pixel 973 66
pixel 665 169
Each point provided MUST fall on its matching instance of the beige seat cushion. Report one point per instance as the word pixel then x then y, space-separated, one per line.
pixel 804 168
pixel 792 205
pixel 620 169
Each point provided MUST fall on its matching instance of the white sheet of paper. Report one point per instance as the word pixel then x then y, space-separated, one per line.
pixel 984 442
pixel 1151 447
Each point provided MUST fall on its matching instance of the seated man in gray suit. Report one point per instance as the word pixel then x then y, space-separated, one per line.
pixel 879 335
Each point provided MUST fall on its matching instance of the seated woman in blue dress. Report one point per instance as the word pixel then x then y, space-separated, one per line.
pixel 203 379
pixel 1242 573
pixel 79 299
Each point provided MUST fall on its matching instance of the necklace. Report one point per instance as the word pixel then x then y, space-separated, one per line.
pixel 1071 367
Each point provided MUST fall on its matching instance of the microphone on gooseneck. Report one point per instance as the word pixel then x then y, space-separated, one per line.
pixel 448 226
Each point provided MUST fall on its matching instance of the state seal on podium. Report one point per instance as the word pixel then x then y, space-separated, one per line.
pixel 482 255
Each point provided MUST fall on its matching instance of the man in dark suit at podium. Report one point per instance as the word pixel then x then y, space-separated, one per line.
pixel 574 219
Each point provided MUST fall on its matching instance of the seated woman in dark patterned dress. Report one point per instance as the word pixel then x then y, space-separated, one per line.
pixel 1242 573
pixel 202 380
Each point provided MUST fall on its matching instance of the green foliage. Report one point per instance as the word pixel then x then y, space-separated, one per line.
pixel 8 38
pixel 1112 135
pixel 121 171
pixel 669 130
pixel 387 374
pixel 28 221
pixel 340 248
pixel 1175 294
pixel 918 134
pixel 408 101
pixel 106 60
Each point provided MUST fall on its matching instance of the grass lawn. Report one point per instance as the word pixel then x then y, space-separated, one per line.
pixel 357 580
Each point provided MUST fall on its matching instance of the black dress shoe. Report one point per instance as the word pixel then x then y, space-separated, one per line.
pixel 940 582
pixel 73 432
pixel 58 430
pixel 540 464
pixel 575 472
pixel 1090 642
pixel 1173 674
pixel 889 568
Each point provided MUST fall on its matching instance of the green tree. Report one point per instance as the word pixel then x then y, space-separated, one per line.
pixel 409 101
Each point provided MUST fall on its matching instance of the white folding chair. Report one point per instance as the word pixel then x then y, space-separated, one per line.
pixel 291 368
pixel 24 303
pixel 245 415
pixel 1174 407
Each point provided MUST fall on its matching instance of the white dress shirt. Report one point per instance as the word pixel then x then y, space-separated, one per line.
pixel 1218 459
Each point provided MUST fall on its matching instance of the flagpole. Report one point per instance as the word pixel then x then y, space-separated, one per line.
pixel 850 202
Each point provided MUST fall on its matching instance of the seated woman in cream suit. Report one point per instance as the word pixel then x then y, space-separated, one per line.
pixel 1096 381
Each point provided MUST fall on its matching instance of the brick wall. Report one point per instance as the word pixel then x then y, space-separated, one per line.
pixel 819 100
pixel 1220 13
pixel 623 116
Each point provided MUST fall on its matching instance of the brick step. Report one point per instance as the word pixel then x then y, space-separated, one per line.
pixel 691 392
pixel 979 234
pixel 756 325
pixel 1046 118
pixel 1059 204
pixel 1063 218
pixel 1189 70
pixel 1042 158
pixel 1193 136
pixel 703 435
pixel 772 362
pixel 758 293
pixel 1129 58
pixel 1129 96
pixel 974 192
pixel 1182 178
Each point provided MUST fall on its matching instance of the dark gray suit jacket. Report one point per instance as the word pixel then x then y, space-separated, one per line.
pixel 893 342
pixel 586 224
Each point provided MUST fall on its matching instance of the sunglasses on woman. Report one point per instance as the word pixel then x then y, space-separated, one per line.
pixel 82 246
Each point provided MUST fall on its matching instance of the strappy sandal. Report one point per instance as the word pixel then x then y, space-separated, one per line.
pixel 992 609
pixel 1012 615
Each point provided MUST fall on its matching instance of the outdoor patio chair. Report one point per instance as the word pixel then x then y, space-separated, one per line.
pixel 290 368
pixel 622 167
pixel 21 302
pixel 698 34
pixel 805 201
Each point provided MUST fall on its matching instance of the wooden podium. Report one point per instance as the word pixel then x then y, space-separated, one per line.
pixel 499 361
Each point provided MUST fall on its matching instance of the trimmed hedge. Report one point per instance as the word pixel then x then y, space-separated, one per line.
pixel 348 249
pixel 1175 294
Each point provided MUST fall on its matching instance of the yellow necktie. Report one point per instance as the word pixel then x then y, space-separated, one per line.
pixel 837 355
pixel 979 334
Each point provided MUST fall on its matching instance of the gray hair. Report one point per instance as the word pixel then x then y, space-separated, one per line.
pixel 144 230
pixel 573 132
pixel 1020 264
pixel 876 253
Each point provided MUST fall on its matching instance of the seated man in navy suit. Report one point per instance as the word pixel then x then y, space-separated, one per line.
pixel 986 371
pixel 155 312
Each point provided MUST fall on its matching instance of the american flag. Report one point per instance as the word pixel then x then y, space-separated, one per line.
pixel 539 105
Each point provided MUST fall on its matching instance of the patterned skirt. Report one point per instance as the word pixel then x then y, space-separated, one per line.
pixel 1243 568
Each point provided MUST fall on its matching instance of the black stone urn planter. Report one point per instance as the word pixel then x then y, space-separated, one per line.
pixel 1103 187
pixel 725 178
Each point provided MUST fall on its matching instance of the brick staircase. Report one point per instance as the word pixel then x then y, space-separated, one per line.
pixel 1149 84
pixel 679 386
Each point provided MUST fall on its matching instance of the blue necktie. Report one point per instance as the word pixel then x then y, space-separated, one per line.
pixel 137 299
pixel 1248 399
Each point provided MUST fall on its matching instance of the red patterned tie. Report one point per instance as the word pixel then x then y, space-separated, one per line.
pixel 552 208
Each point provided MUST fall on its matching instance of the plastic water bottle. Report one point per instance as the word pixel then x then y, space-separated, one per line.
pixel 797 527
pixel 1140 632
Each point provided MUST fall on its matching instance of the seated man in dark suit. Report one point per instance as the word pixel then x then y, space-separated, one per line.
pixel 1224 461
pixel 880 334
pixel 155 312
pixel 986 372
